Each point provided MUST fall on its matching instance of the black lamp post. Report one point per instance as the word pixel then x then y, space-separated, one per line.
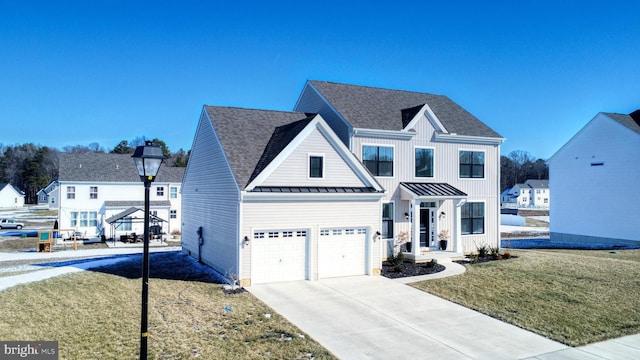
pixel 148 159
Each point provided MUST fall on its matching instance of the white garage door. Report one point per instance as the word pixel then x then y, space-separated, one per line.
pixel 342 252
pixel 278 255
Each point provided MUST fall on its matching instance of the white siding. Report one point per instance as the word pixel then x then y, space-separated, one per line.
pixel 210 199
pixel 602 200
pixel 294 170
pixel 10 198
pixel 446 169
pixel 311 216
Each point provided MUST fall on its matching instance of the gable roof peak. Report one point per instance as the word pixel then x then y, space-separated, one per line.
pixel 377 108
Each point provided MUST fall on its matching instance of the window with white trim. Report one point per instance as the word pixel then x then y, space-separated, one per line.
pixel 316 166
pixel 173 192
pixel 472 218
pixel 173 214
pixel 160 191
pixel 71 192
pixel 93 192
pixel 423 162
pixel 387 220
pixel 378 159
pixel 471 164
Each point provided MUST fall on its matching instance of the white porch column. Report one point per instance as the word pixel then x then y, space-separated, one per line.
pixel 415 228
pixel 457 226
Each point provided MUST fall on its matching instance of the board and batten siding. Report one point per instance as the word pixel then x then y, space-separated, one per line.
pixel 210 199
pixel 311 216
pixel 595 179
pixel 446 170
pixel 295 168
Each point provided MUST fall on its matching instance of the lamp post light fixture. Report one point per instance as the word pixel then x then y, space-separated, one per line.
pixel 148 159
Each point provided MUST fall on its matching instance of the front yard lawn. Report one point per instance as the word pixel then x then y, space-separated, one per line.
pixel 576 297
pixel 96 315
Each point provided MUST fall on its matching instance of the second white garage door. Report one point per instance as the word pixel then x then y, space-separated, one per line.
pixel 278 256
pixel 342 252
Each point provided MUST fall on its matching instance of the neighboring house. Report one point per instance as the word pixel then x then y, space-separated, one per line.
pixel 326 191
pixel 533 193
pixel 595 179
pixel 49 195
pixel 10 197
pixel 94 187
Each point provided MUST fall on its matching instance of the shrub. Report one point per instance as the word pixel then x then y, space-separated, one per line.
pixel 483 251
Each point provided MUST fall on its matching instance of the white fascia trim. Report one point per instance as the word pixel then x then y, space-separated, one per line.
pixel 270 196
pixel 431 117
pixel 455 138
pixel 384 134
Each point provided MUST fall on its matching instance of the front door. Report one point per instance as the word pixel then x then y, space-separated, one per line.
pixel 424 228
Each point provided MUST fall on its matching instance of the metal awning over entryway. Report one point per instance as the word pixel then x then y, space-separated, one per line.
pixel 432 190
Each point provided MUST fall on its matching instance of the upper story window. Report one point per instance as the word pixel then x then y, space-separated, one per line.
pixel 93 192
pixel 378 159
pixel 160 191
pixel 424 162
pixel 71 192
pixel 173 214
pixel 472 164
pixel 316 166
pixel 173 192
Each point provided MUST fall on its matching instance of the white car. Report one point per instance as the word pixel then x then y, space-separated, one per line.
pixel 10 224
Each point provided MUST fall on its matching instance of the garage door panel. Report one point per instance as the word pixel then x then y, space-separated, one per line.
pixel 341 252
pixel 278 256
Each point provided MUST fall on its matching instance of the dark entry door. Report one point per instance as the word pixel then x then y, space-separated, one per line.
pixel 424 227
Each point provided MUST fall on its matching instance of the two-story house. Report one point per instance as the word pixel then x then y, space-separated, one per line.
pixel 49 195
pixel 533 193
pixel 326 190
pixel 95 187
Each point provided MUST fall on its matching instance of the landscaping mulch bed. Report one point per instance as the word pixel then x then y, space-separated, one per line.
pixel 409 269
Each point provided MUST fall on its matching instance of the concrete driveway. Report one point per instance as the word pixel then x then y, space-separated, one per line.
pixel 372 317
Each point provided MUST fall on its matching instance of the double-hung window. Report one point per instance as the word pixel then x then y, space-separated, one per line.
pixel 71 192
pixel 173 192
pixel 472 164
pixel 378 159
pixel 73 219
pixel 93 192
pixel 424 162
pixel 160 191
pixel 473 218
pixel 316 166
pixel 387 220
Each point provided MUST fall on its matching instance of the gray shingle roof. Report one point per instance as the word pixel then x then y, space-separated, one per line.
pixel 109 168
pixel 377 108
pixel 249 137
pixel 627 120
pixel 538 184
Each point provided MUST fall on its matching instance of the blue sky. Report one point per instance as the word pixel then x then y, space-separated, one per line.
pixel 78 72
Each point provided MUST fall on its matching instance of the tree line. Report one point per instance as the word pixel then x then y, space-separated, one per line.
pixel 31 167
pixel 519 166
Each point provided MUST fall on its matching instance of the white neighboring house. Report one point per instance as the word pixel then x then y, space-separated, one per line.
pixel 531 194
pixel 324 192
pixel 11 197
pixel 602 161
pixel 49 196
pixel 94 187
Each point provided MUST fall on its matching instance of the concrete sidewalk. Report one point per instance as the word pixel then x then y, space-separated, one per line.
pixel 372 317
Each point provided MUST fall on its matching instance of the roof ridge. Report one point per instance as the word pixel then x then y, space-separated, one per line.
pixel 377 88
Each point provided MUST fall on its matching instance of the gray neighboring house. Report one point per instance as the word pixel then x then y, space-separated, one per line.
pixel 332 188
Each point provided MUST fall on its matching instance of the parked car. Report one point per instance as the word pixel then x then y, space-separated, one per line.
pixel 10 224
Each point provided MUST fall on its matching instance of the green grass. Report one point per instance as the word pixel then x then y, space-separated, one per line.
pixel 575 297
pixel 96 315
